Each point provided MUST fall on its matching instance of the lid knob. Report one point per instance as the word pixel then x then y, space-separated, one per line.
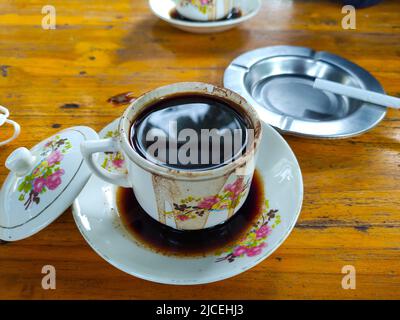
pixel 20 161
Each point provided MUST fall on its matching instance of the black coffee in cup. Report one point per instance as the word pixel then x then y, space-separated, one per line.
pixel 191 132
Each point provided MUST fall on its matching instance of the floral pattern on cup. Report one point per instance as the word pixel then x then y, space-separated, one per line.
pixel 201 5
pixel 255 240
pixel 113 161
pixel 47 174
pixel 192 207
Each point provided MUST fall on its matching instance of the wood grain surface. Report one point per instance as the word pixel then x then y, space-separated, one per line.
pixel 54 79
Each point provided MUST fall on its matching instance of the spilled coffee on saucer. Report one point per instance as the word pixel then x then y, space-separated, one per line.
pixel 191 132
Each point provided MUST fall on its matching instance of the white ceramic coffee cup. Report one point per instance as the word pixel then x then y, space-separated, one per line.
pixel 4 114
pixel 204 10
pixel 209 197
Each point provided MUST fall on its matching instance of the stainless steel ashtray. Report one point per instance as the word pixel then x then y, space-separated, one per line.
pixel 278 81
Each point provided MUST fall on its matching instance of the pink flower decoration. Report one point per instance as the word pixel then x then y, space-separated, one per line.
pixel 263 232
pixel 39 184
pixel 183 217
pixel 54 180
pixel 254 251
pixel 236 188
pixel 207 203
pixel 54 157
pixel 241 250
pixel 118 163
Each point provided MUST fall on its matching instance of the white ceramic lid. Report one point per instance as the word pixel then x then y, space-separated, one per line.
pixel 43 183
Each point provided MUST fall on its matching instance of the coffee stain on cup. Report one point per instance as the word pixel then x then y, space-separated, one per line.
pixel 188 206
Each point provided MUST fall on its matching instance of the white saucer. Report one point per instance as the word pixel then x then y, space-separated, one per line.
pixel 163 9
pixel 97 218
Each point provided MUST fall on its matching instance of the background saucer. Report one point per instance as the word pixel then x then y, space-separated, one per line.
pixel 163 8
pixel 96 216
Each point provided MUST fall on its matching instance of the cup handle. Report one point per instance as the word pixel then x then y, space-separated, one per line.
pixel 17 130
pixel 91 147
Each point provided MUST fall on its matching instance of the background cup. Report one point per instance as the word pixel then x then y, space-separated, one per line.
pixel 4 114
pixel 181 199
pixel 204 10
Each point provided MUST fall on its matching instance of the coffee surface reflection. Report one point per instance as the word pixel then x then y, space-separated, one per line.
pixel 190 132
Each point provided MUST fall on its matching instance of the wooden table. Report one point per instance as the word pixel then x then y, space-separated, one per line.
pixel 54 79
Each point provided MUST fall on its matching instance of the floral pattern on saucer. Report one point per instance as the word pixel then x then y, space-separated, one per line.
pixel 47 175
pixel 228 199
pixel 255 240
pixel 113 161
